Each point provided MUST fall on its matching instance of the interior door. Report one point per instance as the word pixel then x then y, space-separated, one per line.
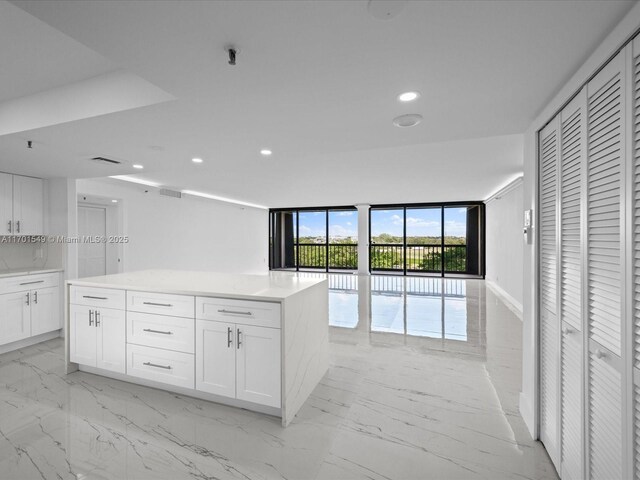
pixel 549 324
pixel 92 254
pixel 606 132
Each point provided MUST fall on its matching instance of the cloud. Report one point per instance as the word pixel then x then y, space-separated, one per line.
pixel 455 229
pixel 340 231
pixel 344 214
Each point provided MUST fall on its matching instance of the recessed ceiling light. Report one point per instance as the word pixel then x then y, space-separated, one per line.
pixel 114 201
pixel 409 120
pixel 196 160
pixel 266 152
pixel 138 166
pixel 408 96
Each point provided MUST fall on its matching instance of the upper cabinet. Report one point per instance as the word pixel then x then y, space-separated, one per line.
pixel 21 205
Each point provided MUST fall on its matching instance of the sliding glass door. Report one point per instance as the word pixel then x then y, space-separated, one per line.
pixel 427 239
pixel 314 239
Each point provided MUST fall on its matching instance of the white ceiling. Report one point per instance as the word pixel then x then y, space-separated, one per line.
pixel 316 82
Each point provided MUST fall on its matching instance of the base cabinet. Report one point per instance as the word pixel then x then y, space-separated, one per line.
pixel 239 361
pixel 45 310
pixel 98 337
pixel 15 323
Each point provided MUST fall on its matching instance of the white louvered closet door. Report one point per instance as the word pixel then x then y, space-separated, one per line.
pixel 634 186
pixel 549 324
pixel 604 183
pixel 572 160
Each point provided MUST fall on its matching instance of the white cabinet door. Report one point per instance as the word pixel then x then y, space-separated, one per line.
pixel 28 205
pixel 45 310
pixel 111 339
pixel 15 323
pixel 6 204
pixel 82 335
pixel 216 358
pixel 258 365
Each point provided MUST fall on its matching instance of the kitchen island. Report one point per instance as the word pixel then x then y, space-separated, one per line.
pixel 258 342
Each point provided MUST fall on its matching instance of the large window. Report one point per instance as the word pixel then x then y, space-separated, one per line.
pixel 314 239
pixel 427 239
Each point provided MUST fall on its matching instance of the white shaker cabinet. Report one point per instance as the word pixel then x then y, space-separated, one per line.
pixel 258 365
pixel 15 319
pixel 239 361
pixel 98 337
pixel 45 310
pixel 21 205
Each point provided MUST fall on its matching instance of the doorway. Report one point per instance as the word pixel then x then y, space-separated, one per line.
pixel 92 250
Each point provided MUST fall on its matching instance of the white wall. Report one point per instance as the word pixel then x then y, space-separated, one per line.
pixel 616 39
pixel 505 243
pixel 190 233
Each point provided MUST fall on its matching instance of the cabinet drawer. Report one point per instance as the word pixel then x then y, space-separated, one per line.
pixel 97 297
pixel 160 303
pixel 174 368
pixel 28 282
pixel 246 312
pixel 171 333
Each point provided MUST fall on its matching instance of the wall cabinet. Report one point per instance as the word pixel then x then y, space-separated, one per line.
pixel 26 310
pixel 21 205
pixel 97 337
pixel 238 361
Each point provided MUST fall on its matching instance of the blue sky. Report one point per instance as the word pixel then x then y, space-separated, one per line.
pixel 420 222
pixel 341 224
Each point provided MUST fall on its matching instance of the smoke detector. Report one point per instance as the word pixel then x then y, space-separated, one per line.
pixel 409 120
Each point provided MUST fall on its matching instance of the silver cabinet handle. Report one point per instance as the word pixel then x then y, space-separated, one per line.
pixel 9 223
pixel 239 342
pixel 35 297
pixel 18 226
pixel 97 318
pixel 229 337
pixel 95 298
pixel 157 304
pixel 28 298
pixel 234 312
pixel 157 331
pixel 90 318
pixel 31 283
pixel 149 364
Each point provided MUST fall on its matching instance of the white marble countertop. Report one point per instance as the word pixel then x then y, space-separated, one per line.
pixel 273 286
pixel 16 272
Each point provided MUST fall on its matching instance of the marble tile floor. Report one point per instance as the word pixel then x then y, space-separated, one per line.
pixel 406 397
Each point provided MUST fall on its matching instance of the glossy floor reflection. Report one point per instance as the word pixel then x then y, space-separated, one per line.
pixel 423 384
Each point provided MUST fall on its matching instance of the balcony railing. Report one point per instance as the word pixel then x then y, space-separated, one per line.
pixel 420 258
pixel 341 255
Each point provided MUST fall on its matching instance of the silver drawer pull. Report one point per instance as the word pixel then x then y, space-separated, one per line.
pixel 158 304
pixel 157 331
pixel 95 298
pixel 234 312
pixel 149 364
pixel 31 283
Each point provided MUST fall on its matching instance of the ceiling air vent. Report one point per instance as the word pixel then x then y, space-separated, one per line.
pixel 170 193
pixel 106 160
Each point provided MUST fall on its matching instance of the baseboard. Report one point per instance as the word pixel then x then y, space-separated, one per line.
pixel 526 412
pixel 27 342
pixel 508 299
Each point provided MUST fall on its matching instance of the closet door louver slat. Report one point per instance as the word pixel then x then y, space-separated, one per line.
pixel 549 328
pixel 635 238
